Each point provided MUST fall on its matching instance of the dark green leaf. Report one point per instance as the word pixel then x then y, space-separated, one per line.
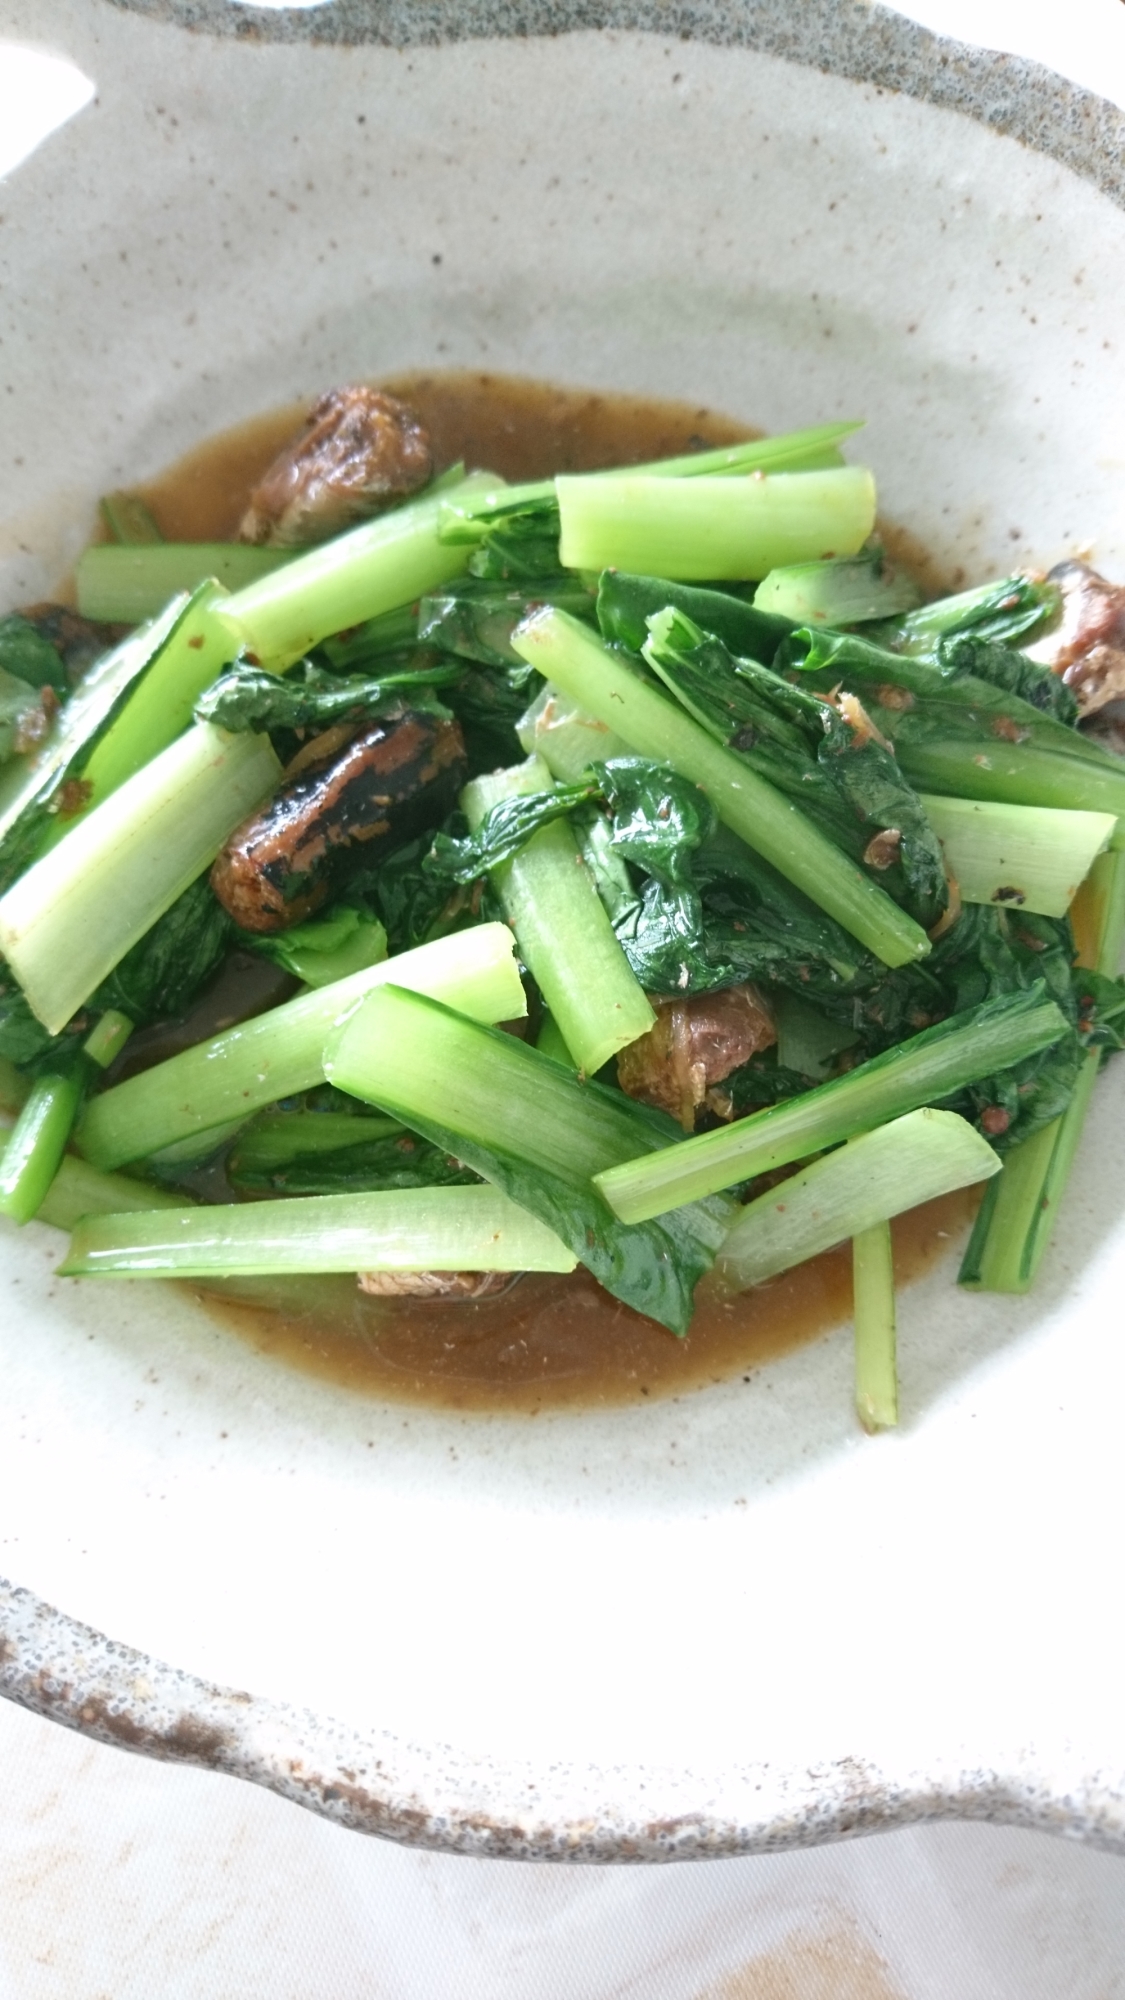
pixel 162 974
pixel 29 656
pixel 488 702
pixel 828 760
pixel 626 603
pixel 1005 611
pixel 307 697
pixel 401 1161
pixel 1003 667
pixel 520 545
pixel 475 618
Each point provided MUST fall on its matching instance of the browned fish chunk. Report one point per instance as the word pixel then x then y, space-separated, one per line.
pixel 697 1041
pixel 387 783
pixel 434 1285
pixel 359 452
pixel 1086 645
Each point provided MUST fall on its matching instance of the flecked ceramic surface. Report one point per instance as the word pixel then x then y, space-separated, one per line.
pixel 715 1623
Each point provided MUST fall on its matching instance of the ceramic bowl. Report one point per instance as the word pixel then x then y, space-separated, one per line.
pixel 715 1623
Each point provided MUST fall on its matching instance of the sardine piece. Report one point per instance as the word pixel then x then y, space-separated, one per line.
pixel 390 781
pixel 696 1042
pixel 360 451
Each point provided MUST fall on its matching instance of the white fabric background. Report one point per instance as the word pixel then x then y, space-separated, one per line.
pixel 123 1880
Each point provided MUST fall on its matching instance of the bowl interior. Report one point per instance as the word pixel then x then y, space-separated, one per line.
pixel 727 1583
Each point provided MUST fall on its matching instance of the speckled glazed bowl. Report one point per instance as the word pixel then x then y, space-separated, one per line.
pixel 706 1625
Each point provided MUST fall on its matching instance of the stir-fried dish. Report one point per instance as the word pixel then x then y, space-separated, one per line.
pixel 641 876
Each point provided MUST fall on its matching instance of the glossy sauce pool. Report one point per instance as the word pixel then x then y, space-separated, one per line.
pixel 549 1341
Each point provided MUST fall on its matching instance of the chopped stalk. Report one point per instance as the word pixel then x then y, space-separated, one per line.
pixel 1017 1217
pixel 697 529
pixel 568 738
pixel 847 590
pixel 107 1037
pixel 36 1144
pixel 873 1289
pixel 372 569
pixel 570 656
pixel 549 1042
pixel 78 1190
pixel 626 603
pixel 125 584
pixel 38 1139
pixel 403 1229
pixel 475 619
pixel 1032 857
pixel 129 519
pixel 1008 609
pixel 804 450
pixel 279 1054
pixel 392 632
pixel 160 707
pixel 74 914
pixel 533 1129
pixel 564 935
pixel 1018 774
pixel 922 1070
pixel 56 777
pixel 277 1137
pixel 327 948
pixel 898 1166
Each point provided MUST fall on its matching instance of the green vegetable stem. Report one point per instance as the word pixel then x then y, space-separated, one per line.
pixel 571 657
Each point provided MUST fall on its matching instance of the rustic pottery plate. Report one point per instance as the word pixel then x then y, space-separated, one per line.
pixel 694 1625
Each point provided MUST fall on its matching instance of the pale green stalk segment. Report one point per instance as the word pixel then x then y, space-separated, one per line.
pixel 371 569
pixel 79 1189
pixel 549 1042
pixel 107 1037
pixel 34 1150
pixel 1018 1216
pixel 898 1166
pixel 280 1053
pixel 788 450
pixel 567 737
pixel 570 655
pixel 806 450
pixel 1029 857
pixel 101 692
pixel 886 1087
pixel 124 585
pixel 1104 890
pixel 564 935
pixel 698 529
pixel 873 1288
pixel 276 1137
pixel 425 1063
pixel 402 1229
pixel 36 1144
pixel 996 1259
pixel 159 709
pixel 74 914
pixel 200 1146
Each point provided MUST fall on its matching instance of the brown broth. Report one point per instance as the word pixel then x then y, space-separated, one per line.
pixel 550 1342
pixel 557 1343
